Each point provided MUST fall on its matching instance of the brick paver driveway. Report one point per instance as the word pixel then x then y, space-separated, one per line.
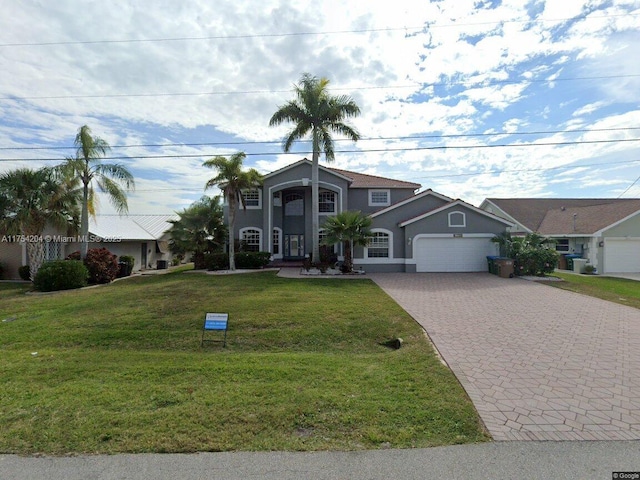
pixel 539 363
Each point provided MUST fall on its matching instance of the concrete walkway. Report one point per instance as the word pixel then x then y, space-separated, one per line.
pixel 539 363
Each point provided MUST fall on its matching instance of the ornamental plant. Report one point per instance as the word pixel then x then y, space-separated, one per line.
pixel 102 265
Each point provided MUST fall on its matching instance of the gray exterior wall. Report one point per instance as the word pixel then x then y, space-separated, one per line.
pixel 359 198
pixel 628 228
pixel 11 259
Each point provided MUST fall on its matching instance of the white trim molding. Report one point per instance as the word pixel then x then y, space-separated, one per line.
pixel 260 235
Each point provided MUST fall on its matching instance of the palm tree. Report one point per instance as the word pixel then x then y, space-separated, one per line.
pixel 199 230
pixel 232 180
pixel 350 227
pixel 317 113
pixel 32 199
pixel 111 178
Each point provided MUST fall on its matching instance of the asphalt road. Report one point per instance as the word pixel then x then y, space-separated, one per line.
pixel 494 461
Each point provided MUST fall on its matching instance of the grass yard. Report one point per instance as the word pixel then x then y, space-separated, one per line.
pixel 618 290
pixel 120 369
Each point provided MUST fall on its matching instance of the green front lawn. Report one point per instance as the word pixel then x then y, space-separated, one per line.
pixel 120 369
pixel 618 290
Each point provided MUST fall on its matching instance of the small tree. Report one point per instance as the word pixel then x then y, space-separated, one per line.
pixel 350 228
pixel 199 231
pixel 533 254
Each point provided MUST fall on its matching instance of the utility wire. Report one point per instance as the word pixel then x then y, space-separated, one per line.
pixel 366 139
pixel 480 84
pixel 416 29
pixel 470 174
pixel 371 150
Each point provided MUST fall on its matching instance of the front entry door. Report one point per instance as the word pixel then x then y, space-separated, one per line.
pixel 294 246
pixel 143 256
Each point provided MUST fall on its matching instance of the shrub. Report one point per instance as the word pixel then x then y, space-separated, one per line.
pixel 61 275
pixel 125 265
pixel 102 265
pixel 25 273
pixel 216 261
pixel 536 261
pixel 252 259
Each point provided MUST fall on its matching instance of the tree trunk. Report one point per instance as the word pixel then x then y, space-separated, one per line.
pixel 35 251
pixel 84 223
pixel 315 204
pixel 348 262
pixel 232 226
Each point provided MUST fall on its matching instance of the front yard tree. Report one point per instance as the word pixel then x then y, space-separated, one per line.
pixel 199 230
pixel 32 199
pixel 350 228
pixel 111 178
pixel 232 180
pixel 316 113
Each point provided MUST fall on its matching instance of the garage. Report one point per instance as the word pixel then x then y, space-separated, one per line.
pixel 453 254
pixel 622 255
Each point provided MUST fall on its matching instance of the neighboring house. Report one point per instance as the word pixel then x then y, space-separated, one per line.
pixel 143 237
pixel 423 232
pixel 605 231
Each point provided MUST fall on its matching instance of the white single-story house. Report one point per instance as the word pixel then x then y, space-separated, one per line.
pixel 144 237
pixel 605 231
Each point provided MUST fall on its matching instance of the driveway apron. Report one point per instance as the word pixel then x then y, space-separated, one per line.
pixel 539 363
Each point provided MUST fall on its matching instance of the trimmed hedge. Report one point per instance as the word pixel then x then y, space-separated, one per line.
pixel 244 260
pixel 61 275
pixel 252 259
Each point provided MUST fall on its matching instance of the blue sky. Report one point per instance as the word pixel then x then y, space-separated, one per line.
pixel 473 99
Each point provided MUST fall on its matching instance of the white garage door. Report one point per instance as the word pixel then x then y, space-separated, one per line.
pixel 466 254
pixel 622 255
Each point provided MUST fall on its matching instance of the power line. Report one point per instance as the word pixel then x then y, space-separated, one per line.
pixel 263 92
pixel 416 29
pixel 372 150
pixel 467 174
pixel 366 139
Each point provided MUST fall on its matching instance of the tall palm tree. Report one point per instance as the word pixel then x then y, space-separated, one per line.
pixel 111 178
pixel 316 113
pixel 32 199
pixel 232 180
pixel 350 227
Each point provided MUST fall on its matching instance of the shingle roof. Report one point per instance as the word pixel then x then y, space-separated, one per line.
pixel 551 216
pixel 362 180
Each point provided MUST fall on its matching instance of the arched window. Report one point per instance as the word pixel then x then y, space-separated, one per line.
pixel 457 219
pixel 327 202
pixel 380 245
pixel 251 239
pixel 294 205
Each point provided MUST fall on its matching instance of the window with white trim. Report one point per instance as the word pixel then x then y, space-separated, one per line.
pixel 457 219
pixel 294 205
pixel 251 239
pixel 277 234
pixel 379 198
pixel 379 245
pixel 53 251
pixel 562 245
pixel 327 202
pixel 252 198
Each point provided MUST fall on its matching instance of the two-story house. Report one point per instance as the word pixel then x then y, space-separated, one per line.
pixel 412 232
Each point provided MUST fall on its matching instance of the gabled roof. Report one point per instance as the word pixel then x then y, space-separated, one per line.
pixel 451 204
pixel 356 180
pixel 417 197
pixel 555 216
pixel 134 227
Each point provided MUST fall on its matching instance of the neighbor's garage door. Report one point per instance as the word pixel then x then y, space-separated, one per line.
pixel 467 254
pixel 622 255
